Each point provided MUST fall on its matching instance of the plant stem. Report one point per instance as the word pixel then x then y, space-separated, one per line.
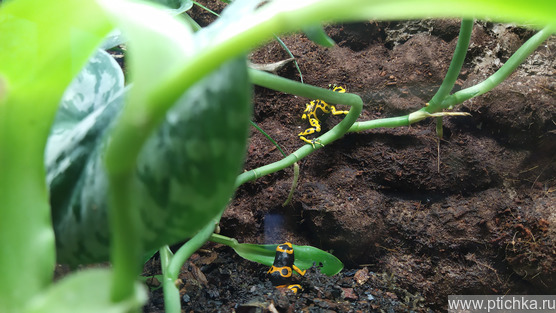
pixel 171 265
pixel 205 8
pixel 230 242
pixel 172 303
pixel 503 72
pixel 455 66
pixel 282 84
pixel 192 245
pixel 125 250
pixel 388 122
pixel 294 184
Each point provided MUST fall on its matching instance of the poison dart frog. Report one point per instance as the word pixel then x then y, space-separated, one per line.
pixel 316 111
pixel 280 274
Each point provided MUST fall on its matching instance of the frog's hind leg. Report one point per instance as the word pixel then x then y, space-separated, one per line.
pixel 333 109
pixel 309 131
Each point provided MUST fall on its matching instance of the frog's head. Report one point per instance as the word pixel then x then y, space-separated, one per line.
pixel 308 109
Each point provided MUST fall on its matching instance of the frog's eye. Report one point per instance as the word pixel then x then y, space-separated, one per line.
pixel 304 117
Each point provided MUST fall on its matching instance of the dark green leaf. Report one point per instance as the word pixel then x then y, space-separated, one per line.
pixel 78 185
pixel 185 172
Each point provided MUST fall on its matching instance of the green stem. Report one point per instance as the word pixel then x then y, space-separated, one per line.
pixel 172 303
pixel 171 266
pixel 495 79
pixel 282 84
pixel 388 122
pixel 194 25
pixel 294 184
pixel 455 66
pixel 205 8
pixel 230 242
pixel 125 250
pixel 192 245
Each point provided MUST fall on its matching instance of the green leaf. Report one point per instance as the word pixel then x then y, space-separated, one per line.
pixel 185 171
pixel 86 291
pixel 317 35
pixel 305 256
pixel 77 181
pixel 42 47
pixel 206 133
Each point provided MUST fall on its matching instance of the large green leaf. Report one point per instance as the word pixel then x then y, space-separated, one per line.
pixel 43 44
pixel 185 171
pixel 86 291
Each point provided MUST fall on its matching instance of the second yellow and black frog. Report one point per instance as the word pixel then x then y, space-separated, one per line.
pixel 317 111
pixel 281 272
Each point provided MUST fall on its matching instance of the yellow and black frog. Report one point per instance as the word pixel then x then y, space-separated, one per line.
pixel 281 272
pixel 317 111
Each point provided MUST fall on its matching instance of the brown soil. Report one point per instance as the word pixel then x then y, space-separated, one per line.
pixel 482 221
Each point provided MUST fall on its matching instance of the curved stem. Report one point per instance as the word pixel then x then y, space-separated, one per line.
pixel 171 265
pixel 289 86
pixel 455 66
pixel 192 245
pixel 495 79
